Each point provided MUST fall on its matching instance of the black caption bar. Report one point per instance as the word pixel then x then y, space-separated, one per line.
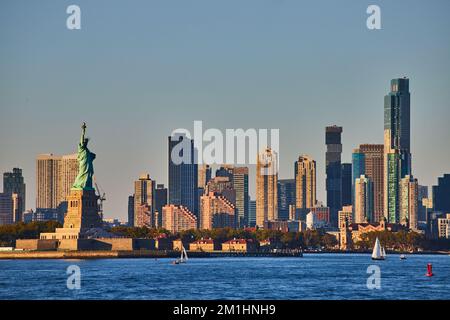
pixel 210 309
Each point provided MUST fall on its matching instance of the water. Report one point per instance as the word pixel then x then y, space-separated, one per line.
pixel 315 276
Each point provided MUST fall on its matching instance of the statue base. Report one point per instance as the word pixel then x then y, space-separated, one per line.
pixel 81 218
pixel 82 225
pixel 82 210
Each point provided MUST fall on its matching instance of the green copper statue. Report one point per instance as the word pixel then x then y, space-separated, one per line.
pixel 86 158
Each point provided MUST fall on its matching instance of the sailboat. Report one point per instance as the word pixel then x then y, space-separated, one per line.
pixel 183 258
pixel 378 251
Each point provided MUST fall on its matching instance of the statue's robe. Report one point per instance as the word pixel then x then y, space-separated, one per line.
pixel 85 158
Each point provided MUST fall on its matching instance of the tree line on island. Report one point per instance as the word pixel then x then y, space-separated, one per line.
pixel 308 239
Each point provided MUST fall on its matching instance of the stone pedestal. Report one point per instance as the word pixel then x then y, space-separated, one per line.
pixel 82 210
pixel 82 220
pixel 83 229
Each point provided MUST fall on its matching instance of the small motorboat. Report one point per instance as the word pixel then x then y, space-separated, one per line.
pixel 402 257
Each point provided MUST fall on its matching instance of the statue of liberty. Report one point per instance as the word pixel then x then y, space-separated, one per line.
pixel 85 158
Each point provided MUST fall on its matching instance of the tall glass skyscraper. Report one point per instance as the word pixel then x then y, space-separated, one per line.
pixel 358 162
pixel 392 187
pixel 368 160
pixel 286 197
pixel 333 171
pixel 183 172
pixel 13 182
pixel 397 152
pixel 240 184
pixel 397 116
pixel 252 213
pixel 441 194
pixel 409 192
pixel 363 200
pixel 239 179
pixel 305 184
pixel 266 187
pixel 144 196
pixel 346 184
pixel 160 201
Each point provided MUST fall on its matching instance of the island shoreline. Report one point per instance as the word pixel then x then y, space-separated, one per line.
pixel 155 254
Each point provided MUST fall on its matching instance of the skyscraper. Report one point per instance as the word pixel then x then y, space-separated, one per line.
pixel 346 173
pixel 441 194
pixel 183 172
pixel 363 200
pixel 13 183
pixel 144 201
pixel 392 178
pixel 225 171
pixel 397 120
pixel 252 213
pixel 55 176
pixel 68 171
pixel 223 186
pixel 160 201
pixel 358 164
pixel 143 216
pixel 131 211
pixel 240 185
pixel 6 208
pixel 47 176
pixel 333 171
pixel 397 152
pixel 421 194
pixel 239 179
pixel 204 175
pixel 286 197
pixel 266 186
pixel 216 211
pixel 17 208
pixel 346 214
pixel 409 189
pixel 177 218
pixel 305 183
pixel 368 160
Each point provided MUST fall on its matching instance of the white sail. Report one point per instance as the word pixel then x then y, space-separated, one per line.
pixel 185 254
pixel 377 253
pixel 383 253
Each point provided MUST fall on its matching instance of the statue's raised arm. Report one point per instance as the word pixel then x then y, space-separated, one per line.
pixel 83 132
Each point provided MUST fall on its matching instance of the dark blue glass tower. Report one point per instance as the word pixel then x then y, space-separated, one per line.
pixel 358 169
pixel 183 172
pixel 346 184
pixel 397 123
pixel 441 194
pixel 286 197
pixel 359 164
pixel 396 144
pixel 333 171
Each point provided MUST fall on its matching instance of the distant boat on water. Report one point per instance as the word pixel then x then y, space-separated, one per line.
pixel 378 252
pixel 402 257
pixel 183 258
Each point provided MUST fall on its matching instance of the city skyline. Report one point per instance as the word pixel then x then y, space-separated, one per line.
pixel 278 89
pixel 70 157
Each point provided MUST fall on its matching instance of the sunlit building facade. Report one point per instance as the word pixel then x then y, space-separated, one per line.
pixel 266 187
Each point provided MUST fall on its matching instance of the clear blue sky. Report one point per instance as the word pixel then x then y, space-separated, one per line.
pixel 139 69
